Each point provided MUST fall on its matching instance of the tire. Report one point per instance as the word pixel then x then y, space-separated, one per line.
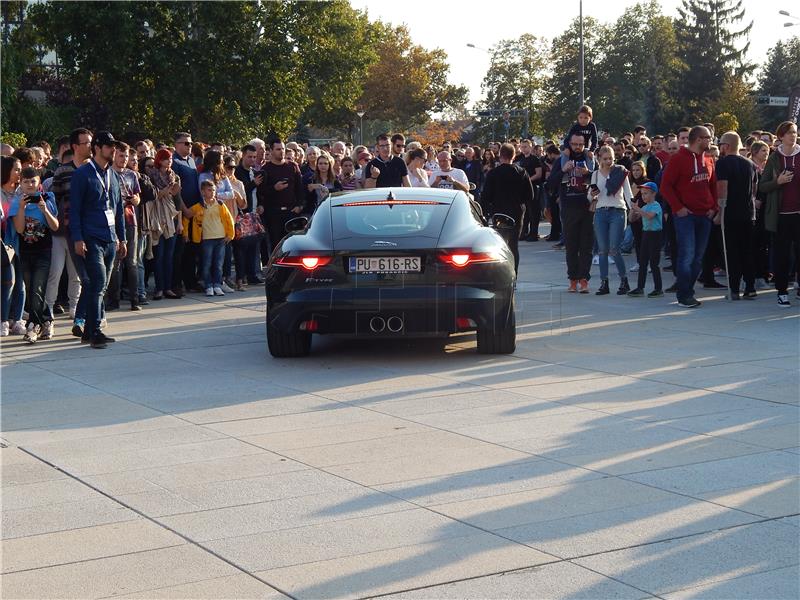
pixel 287 345
pixel 500 339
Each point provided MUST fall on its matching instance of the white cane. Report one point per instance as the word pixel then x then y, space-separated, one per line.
pixel 722 202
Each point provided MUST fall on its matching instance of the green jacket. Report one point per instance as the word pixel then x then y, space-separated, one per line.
pixel 769 185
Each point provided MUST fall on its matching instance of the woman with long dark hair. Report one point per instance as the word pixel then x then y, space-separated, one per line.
pixel 12 302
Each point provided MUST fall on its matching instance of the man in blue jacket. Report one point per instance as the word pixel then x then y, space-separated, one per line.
pixel 97 227
pixel 186 253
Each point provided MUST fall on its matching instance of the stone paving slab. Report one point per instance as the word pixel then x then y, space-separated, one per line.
pixel 635 432
pixel 559 580
pixel 85 544
pixel 242 587
pixel 701 559
pixel 117 574
pixel 396 569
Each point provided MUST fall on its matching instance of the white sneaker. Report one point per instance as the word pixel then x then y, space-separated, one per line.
pixel 218 291
pixel 209 291
pixel 634 269
pixel 18 328
pixel 595 260
pixel 47 331
pixel 32 334
pixel 226 288
pixel 783 300
pixel 4 329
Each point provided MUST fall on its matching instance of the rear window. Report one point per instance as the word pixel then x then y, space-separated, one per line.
pixel 365 219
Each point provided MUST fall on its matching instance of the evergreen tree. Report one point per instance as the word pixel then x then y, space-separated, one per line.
pixel 780 75
pixel 707 39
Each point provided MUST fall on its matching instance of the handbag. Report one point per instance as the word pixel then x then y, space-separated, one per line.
pixel 247 225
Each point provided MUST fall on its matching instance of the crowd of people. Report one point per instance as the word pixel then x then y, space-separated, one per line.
pixel 100 222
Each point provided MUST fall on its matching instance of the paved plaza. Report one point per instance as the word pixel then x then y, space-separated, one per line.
pixel 628 449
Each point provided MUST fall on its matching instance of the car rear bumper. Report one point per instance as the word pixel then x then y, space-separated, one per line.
pixel 422 310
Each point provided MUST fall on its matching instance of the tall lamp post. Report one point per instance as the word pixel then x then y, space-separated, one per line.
pixel 580 53
pixel 361 114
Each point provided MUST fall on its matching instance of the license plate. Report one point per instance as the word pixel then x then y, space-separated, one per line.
pixel 385 264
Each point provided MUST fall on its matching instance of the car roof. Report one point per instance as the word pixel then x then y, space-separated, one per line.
pixel 398 193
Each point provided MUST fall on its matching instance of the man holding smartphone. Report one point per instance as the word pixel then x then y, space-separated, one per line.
pixel 447 177
pixel 281 195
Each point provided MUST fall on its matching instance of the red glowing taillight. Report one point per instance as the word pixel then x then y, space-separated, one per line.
pixel 462 259
pixel 309 263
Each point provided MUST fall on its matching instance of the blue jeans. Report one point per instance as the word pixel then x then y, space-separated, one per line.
pixel 691 233
pixel 213 253
pixel 99 262
pixel 80 269
pixel 609 228
pixel 141 246
pixel 163 254
pixel 13 301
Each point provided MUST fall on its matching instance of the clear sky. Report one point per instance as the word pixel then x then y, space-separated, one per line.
pixel 451 25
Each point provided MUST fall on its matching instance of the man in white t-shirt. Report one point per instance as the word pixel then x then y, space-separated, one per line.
pixel 446 177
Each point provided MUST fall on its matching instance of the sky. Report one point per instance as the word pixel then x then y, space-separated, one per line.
pixel 452 25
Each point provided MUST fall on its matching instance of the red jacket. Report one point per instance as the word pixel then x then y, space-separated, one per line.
pixel 689 181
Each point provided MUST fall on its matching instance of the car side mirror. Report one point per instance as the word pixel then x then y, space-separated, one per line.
pixel 503 222
pixel 296 224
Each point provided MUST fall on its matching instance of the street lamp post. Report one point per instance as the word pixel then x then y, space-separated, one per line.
pixel 360 114
pixel 580 52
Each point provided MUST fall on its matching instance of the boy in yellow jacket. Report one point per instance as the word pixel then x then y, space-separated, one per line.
pixel 212 228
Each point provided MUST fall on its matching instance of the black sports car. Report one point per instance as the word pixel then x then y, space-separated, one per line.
pixel 392 262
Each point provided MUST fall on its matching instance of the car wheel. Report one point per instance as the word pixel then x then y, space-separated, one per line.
pixel 499 339
pixel 287 345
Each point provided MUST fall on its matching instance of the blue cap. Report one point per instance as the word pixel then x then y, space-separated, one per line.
pixel 650 186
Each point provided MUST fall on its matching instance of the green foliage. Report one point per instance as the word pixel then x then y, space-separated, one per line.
pixel 224 70
pixel 707 42
pixel 16 140
pixel 516 80
pixel 724 122
pixel 562 86
pixel 407 82
pixel 781 73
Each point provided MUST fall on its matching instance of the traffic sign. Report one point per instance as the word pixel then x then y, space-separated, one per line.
pixel 773 100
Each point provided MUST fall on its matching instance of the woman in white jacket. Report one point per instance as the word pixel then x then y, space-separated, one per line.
pixel 610 196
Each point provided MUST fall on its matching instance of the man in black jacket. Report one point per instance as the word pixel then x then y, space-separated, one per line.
pixel 508 190
pixel 572 181
pixel 533 167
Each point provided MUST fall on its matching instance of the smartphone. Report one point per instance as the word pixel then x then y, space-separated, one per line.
pixel 594 187
pixel 33 198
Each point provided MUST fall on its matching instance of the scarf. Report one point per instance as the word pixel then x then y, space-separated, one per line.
pixel 161 180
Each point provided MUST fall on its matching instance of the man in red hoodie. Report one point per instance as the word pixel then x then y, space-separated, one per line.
pixel 689 185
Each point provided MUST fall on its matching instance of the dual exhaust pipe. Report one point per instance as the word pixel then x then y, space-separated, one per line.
pixel 379 324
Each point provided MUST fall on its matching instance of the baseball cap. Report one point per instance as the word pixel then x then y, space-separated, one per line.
pixel 650 186
pixel 103 138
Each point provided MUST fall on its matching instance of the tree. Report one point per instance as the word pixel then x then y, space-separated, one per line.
pixel 780 74
pixel 561 104
pixel 736 100
pixel 225 70
pixel 407 82
pixel 708 43
pixel 516 79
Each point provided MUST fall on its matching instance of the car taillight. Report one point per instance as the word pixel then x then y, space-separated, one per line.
pixel 309 262
pixel 462 259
